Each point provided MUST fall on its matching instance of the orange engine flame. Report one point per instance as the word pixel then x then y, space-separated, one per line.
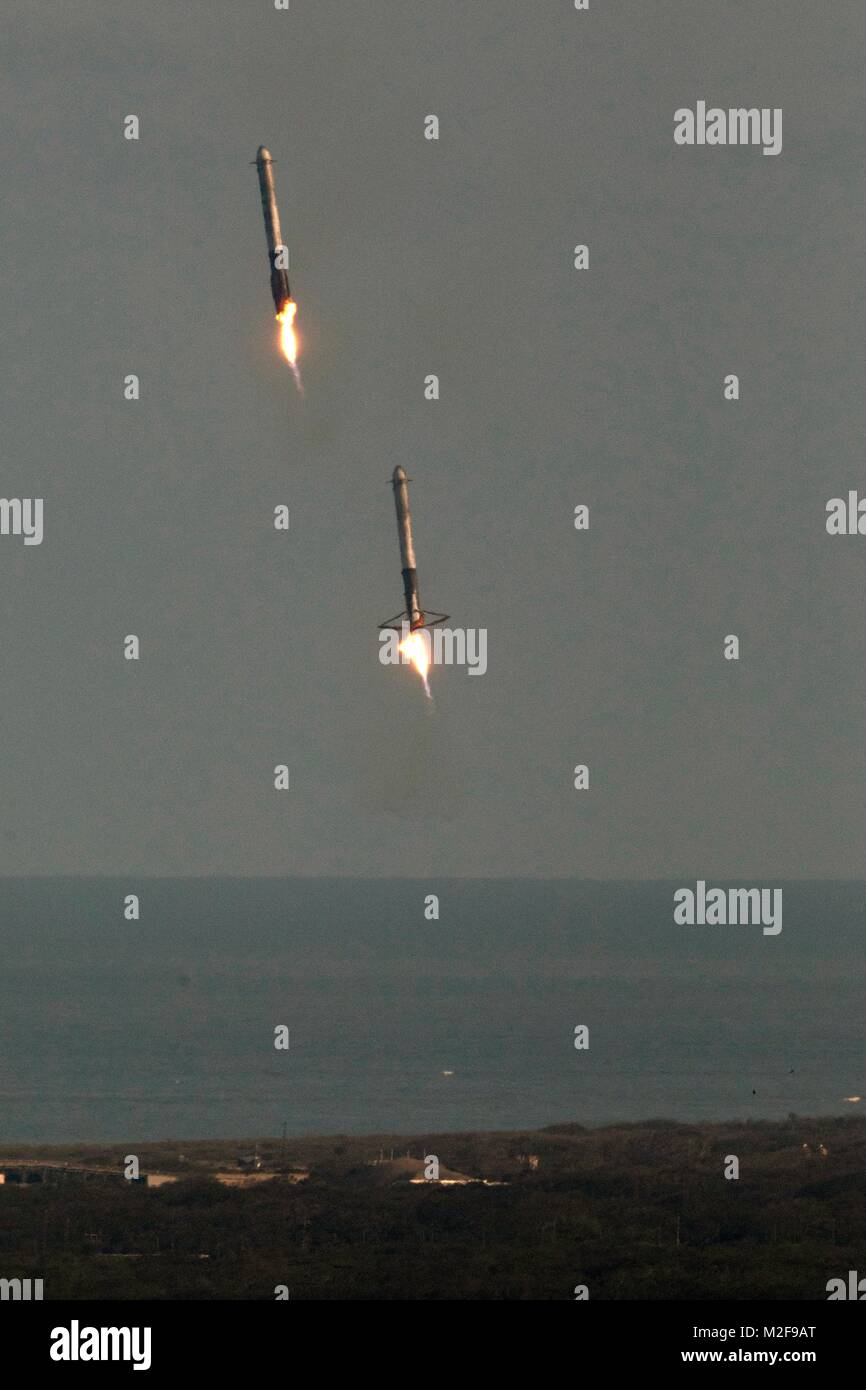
pixel 288 336
pixel 415 648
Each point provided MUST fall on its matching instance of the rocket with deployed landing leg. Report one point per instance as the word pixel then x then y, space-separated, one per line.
pixel 413 615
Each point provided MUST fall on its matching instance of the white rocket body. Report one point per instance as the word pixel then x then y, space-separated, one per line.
pixel 413 615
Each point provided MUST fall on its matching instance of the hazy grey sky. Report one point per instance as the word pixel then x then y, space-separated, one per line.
pixel 557 387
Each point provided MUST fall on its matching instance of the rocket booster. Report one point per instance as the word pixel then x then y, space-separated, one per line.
pixel 407 549
pixel 414 615
pixel 279 276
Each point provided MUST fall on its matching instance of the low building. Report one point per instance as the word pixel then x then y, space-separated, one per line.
pixel 414 1170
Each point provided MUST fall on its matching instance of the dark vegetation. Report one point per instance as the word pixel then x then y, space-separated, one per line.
pixel 633 1211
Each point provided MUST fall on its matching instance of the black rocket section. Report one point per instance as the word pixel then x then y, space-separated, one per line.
pixel 277 250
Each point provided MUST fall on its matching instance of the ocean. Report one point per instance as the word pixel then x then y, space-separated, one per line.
pixel 117 1031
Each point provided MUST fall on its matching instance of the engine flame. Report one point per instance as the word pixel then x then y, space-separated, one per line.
pixel 415 648
pixel 289 338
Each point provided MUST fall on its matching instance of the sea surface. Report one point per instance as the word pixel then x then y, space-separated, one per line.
pixel 164 1028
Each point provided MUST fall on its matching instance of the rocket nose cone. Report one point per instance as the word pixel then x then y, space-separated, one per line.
pixel 263 155
pixel 399 475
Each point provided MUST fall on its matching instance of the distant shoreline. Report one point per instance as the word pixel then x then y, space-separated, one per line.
pixel 201 1150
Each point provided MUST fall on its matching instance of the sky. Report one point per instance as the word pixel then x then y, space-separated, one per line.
pixel 558 387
